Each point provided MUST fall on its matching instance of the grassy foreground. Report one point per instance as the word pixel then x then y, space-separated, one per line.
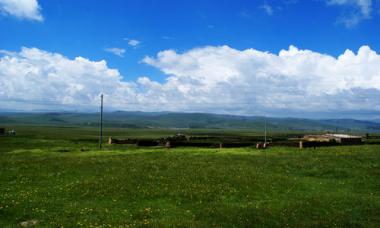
pixel 57 179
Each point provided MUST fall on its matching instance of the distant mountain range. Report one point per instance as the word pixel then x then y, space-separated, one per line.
pixel 187 120
pixel 376 120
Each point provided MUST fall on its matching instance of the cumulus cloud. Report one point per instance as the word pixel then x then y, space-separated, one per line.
pixel 24 9
pixel 250 80
pixel 116 51
pixel 216 79
pixel 359 10
pixel 36 79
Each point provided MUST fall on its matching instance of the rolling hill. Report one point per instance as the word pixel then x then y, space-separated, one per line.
pixel 186 120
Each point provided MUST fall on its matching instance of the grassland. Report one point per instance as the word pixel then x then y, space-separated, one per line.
pixel 58 177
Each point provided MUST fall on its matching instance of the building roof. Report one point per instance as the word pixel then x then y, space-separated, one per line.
pixel 328 137
pixel 343 136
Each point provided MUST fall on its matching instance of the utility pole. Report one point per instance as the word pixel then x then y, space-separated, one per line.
pixel 101 122
pixel 265 132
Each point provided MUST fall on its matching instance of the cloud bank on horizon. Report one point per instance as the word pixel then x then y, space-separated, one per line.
pixel 217 79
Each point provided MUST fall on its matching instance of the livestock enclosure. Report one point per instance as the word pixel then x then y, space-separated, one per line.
pixel 57 176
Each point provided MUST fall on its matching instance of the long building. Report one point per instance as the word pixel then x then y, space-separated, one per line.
pixel 329 139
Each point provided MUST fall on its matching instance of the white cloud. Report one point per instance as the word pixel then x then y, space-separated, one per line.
pixel 36 79
pixel 360 10
pixel 116 51
pixel 24 9
pixel 132 42
pixel 267 9
pixel 208 79
pixel 251 81
pixel 363 5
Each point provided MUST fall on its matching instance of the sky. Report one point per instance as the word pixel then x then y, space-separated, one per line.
pixel 293 58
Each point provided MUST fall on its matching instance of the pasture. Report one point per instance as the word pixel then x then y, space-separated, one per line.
pixel 57 176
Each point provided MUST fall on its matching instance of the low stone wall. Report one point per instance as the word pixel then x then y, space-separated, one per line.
pixel 121 141
pixel 308 144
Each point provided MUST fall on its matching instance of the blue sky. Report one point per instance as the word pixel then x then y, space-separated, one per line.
pixel 127 34
pixel 77 28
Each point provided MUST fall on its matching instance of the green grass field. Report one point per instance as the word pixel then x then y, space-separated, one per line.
pixel 58 177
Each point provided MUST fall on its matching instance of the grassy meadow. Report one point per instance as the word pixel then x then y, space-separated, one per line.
pixel 57 177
